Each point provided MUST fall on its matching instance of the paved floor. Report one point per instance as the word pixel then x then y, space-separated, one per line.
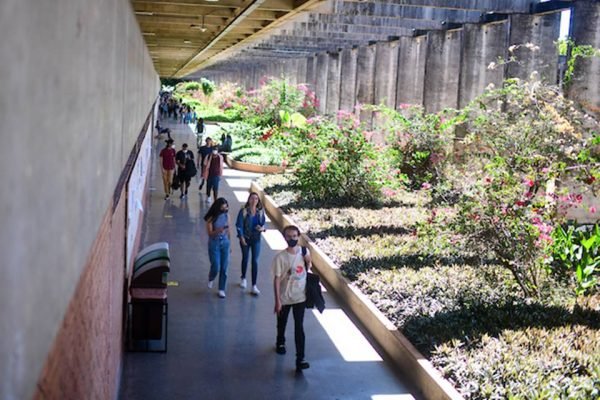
pixel 224 348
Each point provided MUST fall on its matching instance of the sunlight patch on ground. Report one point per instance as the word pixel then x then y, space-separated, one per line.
pixel 274 239
pixel 241 196
pixel 346 337
pixel 239 183
pixel 392 397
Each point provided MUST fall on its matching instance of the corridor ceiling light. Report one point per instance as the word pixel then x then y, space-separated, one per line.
pixel 211 1
pixel 148 33
pixel 149 13
pixel 187 41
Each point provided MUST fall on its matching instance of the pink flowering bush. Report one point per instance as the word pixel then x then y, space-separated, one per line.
pixel 420 143
pixel 529 156
pixel 337 164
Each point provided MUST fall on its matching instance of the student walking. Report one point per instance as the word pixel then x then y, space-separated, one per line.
pixel 250 224
pixel 203 152
pixel 186 168
pixel 289 283
pixel 217 226
pixel 167 166
pixel 212 172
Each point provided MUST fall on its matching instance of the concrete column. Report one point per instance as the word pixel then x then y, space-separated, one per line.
pixel 585 30
pixel 386 73
pixel 301 70
pixel 482 45
pixel 333 82
pixel 365 89
pixel 541 31
pixel 321 81
pixel 311 71
pixel 411 70
pixel 348 79
pixel 442 70
pixel 291 71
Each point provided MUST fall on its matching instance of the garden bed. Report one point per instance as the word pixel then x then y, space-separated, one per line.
pixel 470 320
pixel 248 167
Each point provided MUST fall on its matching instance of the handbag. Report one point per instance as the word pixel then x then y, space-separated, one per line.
pixel 175 184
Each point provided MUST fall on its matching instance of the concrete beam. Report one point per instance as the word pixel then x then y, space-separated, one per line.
pixel 321 81
pixel 411 70
pixel 351 21
pixel 365 75
pixel 442 70
pixel 482 45
pixel 333 82
pixel 348 79
pixel 380 9
pixel 585 30
pixel 356 29
pixel 540 31
pixel 516 6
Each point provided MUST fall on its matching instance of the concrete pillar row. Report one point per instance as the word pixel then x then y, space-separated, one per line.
pixel 333 82
pixel 541 31
pixel 311 71
pixel 585 30
pixel 442 70
pixel 411 70
pixel 348 79
pixel 482 46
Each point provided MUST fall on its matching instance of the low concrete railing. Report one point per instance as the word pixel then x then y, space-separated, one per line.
pixel 419 372
pixel 262 169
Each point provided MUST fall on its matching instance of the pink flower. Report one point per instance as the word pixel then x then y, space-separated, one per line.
pixel 323 166
pixel 528 182
pixel 593 209
pixel 426 185
pixel 284 163
pixel 520 203
pixel 402 106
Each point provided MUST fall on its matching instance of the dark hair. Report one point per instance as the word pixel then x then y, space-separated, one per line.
pixel 184 145
pixel 291 228
pixel 215 209
pixel 259 206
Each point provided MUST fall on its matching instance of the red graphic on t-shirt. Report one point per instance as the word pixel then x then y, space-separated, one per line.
pixel 299 269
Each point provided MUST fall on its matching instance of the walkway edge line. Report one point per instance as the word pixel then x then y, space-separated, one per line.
pixel 410 362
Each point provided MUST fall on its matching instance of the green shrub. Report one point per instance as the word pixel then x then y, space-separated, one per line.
pixel 208 86
pixel 191 86
pixel 576 254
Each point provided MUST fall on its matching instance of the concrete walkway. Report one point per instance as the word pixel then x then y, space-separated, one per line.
pixel 224 348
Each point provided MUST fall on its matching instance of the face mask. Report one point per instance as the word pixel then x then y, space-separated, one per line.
pixel 292 242
pixel 225 211
pixel 215 152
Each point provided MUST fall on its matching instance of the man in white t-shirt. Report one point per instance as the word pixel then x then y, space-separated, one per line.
pixel 289 282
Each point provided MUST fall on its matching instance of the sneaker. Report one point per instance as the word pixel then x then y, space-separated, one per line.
pixel 167 197
pixel 280 349
pixel 243 283
pixel 181 196
pixel 210 284
pixel 300 365
pixel 255 290
pixel 222 294
pixel 208 199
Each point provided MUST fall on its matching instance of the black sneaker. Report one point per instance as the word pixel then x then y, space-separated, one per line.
pixel 300 365
pixel 280 349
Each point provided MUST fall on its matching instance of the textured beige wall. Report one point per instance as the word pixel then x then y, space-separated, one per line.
pixel 76 84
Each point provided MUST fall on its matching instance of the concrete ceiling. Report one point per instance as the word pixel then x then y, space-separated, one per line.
pixel 185 37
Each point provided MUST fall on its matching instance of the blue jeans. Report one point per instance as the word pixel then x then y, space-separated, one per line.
pixel 253 246
pixel 218 253
pixel 212 183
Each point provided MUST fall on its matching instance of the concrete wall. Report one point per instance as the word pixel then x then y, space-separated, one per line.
pixel 77 85
pixel 482 45
pixel 411 70
pixel 442 70
pixel 585 30
pixel 541 31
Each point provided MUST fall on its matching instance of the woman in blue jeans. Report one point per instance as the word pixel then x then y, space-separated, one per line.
pixel 250 224
pixel 217 226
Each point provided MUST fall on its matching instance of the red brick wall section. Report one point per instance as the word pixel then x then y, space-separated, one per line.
pixel 85 359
